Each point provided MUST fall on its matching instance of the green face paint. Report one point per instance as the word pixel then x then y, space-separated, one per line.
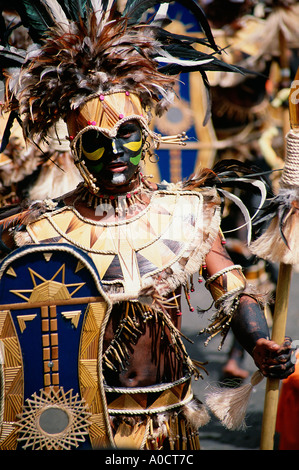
pixel 136 160
pixel 134 146
pixel 95 168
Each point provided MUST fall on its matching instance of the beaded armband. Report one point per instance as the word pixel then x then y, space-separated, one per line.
pixel 225 287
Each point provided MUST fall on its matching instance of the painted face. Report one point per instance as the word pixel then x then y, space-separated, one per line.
pixel 113 160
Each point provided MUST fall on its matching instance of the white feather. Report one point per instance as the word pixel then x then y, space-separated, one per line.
pixel 161 13
pixel 56 12
pixel 261 186
pixel 263 191
pixel 97 7
pixel 101 15
pixel 188 63
pixel 244 211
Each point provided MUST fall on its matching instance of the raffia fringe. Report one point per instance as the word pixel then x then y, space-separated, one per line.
pixel 270 245
pixel 229 405
pixel 180 428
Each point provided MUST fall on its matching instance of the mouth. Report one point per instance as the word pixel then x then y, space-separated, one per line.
pixel 117 167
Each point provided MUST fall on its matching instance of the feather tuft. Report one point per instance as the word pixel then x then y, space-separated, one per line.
pixel 229 405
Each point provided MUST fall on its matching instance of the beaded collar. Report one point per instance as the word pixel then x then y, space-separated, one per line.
pixel 121 203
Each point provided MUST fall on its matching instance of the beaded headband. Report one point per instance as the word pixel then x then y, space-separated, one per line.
pixel 106 113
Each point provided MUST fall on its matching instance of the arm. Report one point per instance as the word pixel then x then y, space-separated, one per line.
pixel 250 328
pixel 248 322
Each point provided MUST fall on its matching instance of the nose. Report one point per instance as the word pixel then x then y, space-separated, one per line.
pixel 116 147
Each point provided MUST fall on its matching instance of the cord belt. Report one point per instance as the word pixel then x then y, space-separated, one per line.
pixel 149 400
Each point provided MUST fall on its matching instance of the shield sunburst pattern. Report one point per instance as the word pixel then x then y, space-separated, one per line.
pixel 53 420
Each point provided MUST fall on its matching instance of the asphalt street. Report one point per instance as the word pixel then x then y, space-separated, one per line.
pixel 214 436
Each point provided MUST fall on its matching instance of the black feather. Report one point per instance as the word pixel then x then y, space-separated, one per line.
pixel 166 37
pixel 134 10
pixel 10 58
pixel 6 134
pixel 285 212
pixel 235 174
pixel 34 16
pixel 74 9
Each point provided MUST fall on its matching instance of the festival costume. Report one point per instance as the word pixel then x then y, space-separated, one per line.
pixel 136 262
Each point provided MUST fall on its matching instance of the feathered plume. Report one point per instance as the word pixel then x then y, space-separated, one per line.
pixel 279 242
pixel 88 47
pixel 233 174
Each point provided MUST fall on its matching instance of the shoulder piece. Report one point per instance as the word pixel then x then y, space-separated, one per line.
pixel 159 247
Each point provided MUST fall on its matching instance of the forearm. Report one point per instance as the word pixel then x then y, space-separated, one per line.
pixel 249 323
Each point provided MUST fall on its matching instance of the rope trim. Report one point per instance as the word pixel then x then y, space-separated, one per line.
pixel 147 411
pixel 231 294
pixel 221 272
pixel 148 389
pixel 290 174
pixel 2 382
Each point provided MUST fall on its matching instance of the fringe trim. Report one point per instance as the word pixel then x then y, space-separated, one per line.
pixel 166 281
pixel 178 428
pixel 22 238
pixel 221 320
pixel 271 247
pixel 117 354
pixel 279 243
pixel 179 273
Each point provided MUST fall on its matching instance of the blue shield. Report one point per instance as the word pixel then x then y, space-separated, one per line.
pixel 53 313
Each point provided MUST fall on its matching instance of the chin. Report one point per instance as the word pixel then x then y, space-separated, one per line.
pixel 118 179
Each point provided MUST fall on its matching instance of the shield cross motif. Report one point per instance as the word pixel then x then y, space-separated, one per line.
pixel 53 314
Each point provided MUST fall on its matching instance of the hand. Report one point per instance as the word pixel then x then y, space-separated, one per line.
pixel 274 361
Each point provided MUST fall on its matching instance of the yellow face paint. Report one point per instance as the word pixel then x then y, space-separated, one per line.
pixel 134 146
pixel 96 155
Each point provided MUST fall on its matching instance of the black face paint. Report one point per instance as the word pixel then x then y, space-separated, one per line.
pixel 113 160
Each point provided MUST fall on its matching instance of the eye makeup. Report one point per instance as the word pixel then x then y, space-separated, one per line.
pixel 96 155
pixel 93 145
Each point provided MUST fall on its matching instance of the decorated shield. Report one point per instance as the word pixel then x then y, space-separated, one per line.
pixel 53 313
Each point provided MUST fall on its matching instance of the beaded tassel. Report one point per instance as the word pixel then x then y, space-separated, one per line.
pixel 177 305
pixel 202 273
pixel 187 295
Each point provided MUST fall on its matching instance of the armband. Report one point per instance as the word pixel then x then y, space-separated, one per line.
pixel 226 283
pixel 225 287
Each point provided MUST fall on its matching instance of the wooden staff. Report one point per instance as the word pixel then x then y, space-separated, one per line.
pixel 278 335
pixel 282 294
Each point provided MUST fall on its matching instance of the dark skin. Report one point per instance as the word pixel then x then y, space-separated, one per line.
pixel 153 358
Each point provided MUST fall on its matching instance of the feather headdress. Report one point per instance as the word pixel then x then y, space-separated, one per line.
pixel 89 49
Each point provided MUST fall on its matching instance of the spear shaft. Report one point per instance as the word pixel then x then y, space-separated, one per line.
pixel 282 296
pixel 278 334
